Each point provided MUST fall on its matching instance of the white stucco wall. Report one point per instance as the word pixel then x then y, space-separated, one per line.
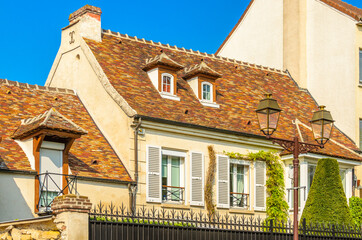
pixel 259 37
pixel 331 63
pixel 16 196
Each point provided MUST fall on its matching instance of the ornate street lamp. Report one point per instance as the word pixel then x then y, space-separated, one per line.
pixel 322 124
pixel 268 112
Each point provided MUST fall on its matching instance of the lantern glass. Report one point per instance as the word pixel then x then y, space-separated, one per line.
pixel 268 113
pixel 322 125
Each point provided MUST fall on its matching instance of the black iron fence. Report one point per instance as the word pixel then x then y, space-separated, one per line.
pixel 51 186
pixel 117 223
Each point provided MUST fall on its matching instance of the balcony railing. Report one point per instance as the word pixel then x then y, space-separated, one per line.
pixel 239 200
pixel 50 187
pixel 174 194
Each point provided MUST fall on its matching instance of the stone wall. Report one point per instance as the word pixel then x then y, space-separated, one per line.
pixel 69 222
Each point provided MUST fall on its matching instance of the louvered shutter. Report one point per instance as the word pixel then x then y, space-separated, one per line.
pixel 153 192
pixel 197 179
pixel 260 193
pixel 223 191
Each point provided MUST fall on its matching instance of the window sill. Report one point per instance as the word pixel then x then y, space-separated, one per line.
pixel 169 96
pixel 209 104
pixel 360 85
pixel 241 211
pixel 175 206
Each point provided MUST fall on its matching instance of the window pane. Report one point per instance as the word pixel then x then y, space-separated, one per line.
pixel 311 171
pixel 175 171
pixel 240 179
pixel 343 177
pixel 166 84
pixel 206 92
pixel 231 177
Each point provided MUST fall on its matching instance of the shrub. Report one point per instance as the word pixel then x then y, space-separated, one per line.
pixel 327 201
pixel 355 205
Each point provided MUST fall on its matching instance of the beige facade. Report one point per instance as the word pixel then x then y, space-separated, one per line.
pixel 320 50
pixel 18 203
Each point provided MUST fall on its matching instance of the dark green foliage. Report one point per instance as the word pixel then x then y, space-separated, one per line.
pixel 355 205
pixel 327 202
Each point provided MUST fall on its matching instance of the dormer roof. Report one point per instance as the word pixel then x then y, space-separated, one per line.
pixel 201 68
pixel 161 60
pixel 49 120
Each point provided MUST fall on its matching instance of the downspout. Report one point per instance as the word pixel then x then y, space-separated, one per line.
pixel 135 187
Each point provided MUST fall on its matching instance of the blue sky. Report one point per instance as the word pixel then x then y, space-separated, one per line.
pixel 31 29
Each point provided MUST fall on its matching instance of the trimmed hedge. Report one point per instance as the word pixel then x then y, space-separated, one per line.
pixel 355 205
pixel 327 201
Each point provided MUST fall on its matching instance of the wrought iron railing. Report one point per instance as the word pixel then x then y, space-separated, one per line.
pixel 50 186
pixel 239 200
pixel 174 194
pixel 151 223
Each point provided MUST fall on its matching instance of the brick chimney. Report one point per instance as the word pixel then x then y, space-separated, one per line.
pixel 89 20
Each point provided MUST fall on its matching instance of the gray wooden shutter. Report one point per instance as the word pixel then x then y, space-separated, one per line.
pixel 223 191
pixel 197 179
pixel 260 193
pixel 153 183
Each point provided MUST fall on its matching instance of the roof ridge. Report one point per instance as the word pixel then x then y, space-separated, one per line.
pixel 190 51
pixel 36 87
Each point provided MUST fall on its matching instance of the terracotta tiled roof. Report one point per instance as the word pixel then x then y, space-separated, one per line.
pixel 341 6
pixel 50 119
pixel 22 101
pixel 238 91
pixel 201 68
pixel 345 8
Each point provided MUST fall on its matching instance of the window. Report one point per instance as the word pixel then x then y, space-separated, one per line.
pixel 360 66
pixel 172 178
pixel 342 172
pixel 311 171
pixel 50 170
pixel 167 83
pixel 239 196
pixel 207 91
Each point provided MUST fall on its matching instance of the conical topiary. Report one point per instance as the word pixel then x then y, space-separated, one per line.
pixel 327 202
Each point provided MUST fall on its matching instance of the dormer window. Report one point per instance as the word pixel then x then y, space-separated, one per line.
pixel 207 91
pixel 162 71
pixel 167 83
pixel 53 136
pixel 201 79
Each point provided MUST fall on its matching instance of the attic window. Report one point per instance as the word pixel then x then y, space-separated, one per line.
pixel 167 83
pixel 207 91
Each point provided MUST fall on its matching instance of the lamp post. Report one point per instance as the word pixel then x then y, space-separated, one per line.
pixel 268 112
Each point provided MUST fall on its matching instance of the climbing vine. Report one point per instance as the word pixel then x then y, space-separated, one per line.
pixel 276 206
pixel 210 178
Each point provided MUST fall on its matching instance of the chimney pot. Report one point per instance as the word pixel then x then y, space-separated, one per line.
pixel 92 11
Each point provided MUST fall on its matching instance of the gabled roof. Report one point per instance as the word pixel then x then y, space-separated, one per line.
pixel 90 155
pixel 341 6
pixel 50 119
pixel 201 68
pixel 238 91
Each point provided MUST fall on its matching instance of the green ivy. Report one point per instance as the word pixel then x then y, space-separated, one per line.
pixel 355 205
pixel 276 206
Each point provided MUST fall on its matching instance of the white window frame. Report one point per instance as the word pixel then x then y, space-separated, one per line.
pixel 211 92
pixel 247 181
pixel 171 82
pixel 182 156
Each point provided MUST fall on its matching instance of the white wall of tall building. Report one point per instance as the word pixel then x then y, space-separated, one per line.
pixel 259 37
